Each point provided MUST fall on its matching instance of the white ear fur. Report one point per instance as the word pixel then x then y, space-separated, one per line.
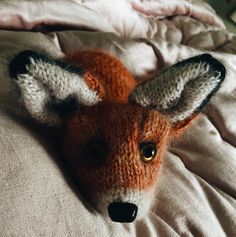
pixel 35 97
pixel 61 82
pixel 183 89
pixel 40 78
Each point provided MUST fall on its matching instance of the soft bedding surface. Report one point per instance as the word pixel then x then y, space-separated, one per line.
pixel 196 195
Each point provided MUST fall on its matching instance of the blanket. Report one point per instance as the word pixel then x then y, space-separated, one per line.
pixel 196 193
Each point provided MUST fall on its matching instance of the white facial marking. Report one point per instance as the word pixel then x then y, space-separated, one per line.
pixel 141 198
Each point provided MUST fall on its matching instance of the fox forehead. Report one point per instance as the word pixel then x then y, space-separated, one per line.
pixel 123 127
pixel 105 74
pixel 114 122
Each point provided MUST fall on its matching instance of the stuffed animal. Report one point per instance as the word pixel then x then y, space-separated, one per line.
pixel 117 130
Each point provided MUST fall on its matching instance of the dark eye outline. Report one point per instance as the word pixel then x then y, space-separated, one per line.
pixel 143 148
pixel 98 146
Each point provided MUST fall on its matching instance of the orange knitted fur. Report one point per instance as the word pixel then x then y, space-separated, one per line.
pixel 124 126
pixel 105 74
pixel 116 140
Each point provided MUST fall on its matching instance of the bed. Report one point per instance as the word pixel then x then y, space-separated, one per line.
pixel 196 194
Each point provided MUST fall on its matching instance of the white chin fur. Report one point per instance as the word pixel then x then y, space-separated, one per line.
pixel 143 199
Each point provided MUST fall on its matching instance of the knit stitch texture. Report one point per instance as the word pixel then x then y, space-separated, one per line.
pixel 116 116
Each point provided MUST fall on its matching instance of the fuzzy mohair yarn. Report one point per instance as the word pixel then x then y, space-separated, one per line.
pixel 118 133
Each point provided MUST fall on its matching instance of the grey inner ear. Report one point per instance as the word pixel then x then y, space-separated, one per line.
pixel 35 97
pixel 44 83
pixel 182 89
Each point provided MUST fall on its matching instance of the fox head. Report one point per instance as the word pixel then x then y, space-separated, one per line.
pixel 118 131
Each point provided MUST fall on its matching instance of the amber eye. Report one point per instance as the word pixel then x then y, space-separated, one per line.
pixel 95 153
pixel 148 151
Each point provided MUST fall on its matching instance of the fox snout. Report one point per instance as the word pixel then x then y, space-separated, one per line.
pixel 122 205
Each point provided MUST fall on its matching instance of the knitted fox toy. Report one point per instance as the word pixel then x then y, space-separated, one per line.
pixel 117 136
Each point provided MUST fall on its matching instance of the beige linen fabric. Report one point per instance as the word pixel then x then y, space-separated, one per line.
pixel 196 195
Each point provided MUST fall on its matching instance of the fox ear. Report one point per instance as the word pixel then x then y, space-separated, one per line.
pixel 183 90
pixel 47 86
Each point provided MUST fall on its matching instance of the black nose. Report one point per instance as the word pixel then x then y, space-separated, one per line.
pixel 122 211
